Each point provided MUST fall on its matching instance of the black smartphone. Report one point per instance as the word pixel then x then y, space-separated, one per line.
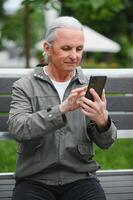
pixel 98 83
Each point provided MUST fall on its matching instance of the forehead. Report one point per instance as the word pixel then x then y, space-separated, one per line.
pixel 69 36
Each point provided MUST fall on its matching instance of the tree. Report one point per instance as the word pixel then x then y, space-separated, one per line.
pixel 2 17
pixel 25 27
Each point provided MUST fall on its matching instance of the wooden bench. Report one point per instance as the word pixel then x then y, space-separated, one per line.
pixel 118 184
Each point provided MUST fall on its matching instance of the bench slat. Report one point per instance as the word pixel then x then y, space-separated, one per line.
pixel 3 123
pixel 115 184
pixel 120 197
pixel 5 103
pixel 6 84
pixel 119 85
pixel 120 103
pixel 123 121
pixel 6 187
pixel 5 194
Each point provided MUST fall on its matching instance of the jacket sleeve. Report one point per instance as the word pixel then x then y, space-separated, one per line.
pixel 24 124
pixel 103 139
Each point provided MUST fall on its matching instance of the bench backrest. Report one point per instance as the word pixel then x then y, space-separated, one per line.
pixel 119 90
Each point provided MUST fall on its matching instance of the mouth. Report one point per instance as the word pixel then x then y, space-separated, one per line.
pixel 70 63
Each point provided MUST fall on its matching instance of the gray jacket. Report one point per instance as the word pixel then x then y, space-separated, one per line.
pixel 53 148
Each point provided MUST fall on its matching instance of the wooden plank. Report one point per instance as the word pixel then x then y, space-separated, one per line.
pixel 123 120
pixel 116 178
pixel 7 181
pixel 119 196
pixel 3 123
pixel 5 103
pixel 125 134
pixel 6 198
pixel 7 175
pixel 123 172
pixel 6 136
pixel 120 103
pixel 6 187
pixel 6 194
pixel 115 184
pixel 121 72
pixel 119 85
pixel 119 190
pixel 6 84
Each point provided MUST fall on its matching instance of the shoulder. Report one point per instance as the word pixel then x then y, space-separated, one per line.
pixel 82 75
pixel 24 80
pixel 28 82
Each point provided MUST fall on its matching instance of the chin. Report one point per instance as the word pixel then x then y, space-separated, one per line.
pixel 70 68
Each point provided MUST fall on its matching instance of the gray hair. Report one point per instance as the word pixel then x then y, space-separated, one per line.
pixel 60 22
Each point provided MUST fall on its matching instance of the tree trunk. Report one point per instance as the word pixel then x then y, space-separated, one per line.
pixel 26 34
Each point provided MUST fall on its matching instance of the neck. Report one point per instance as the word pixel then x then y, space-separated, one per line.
pixel 57 75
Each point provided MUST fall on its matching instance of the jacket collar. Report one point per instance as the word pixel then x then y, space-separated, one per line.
pixel 39 74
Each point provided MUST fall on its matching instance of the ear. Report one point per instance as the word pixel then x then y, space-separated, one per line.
pixel 46 47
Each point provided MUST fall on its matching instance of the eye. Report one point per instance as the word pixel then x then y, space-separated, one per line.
pixel 80 48
pixel 65 48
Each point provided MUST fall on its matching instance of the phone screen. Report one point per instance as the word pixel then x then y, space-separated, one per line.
pixel 97 83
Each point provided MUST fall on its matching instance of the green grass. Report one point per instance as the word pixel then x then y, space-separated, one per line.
pixel 119 156
pixel 7 156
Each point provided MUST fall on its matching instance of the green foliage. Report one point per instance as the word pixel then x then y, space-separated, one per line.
pixel 35 2
pixel 13 28
pixel 93 9
pixel 2 15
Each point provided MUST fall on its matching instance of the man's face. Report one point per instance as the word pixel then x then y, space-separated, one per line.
pixel 67 48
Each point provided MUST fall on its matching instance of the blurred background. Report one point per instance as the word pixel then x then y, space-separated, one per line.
pixel 108 29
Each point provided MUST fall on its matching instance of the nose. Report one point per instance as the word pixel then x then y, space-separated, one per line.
pixel 73 54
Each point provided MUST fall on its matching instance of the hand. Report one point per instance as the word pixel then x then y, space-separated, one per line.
pixel 73 100
pixel 95 110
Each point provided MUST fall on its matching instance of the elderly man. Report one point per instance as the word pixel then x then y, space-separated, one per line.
pixel 56 125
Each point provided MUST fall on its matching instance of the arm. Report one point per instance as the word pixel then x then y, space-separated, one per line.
pixel 25 124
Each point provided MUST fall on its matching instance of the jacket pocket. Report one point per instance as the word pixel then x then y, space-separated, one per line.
pixel 86 151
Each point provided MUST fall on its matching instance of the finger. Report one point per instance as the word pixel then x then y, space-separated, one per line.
pixel 87 108
pixel 79 99
pixel 86 112
pixel 103 96
pixel 79 89
pixel 95 95
pixel 86 101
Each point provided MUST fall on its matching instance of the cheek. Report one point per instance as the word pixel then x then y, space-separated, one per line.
pixel 79 57
pixel 59 55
